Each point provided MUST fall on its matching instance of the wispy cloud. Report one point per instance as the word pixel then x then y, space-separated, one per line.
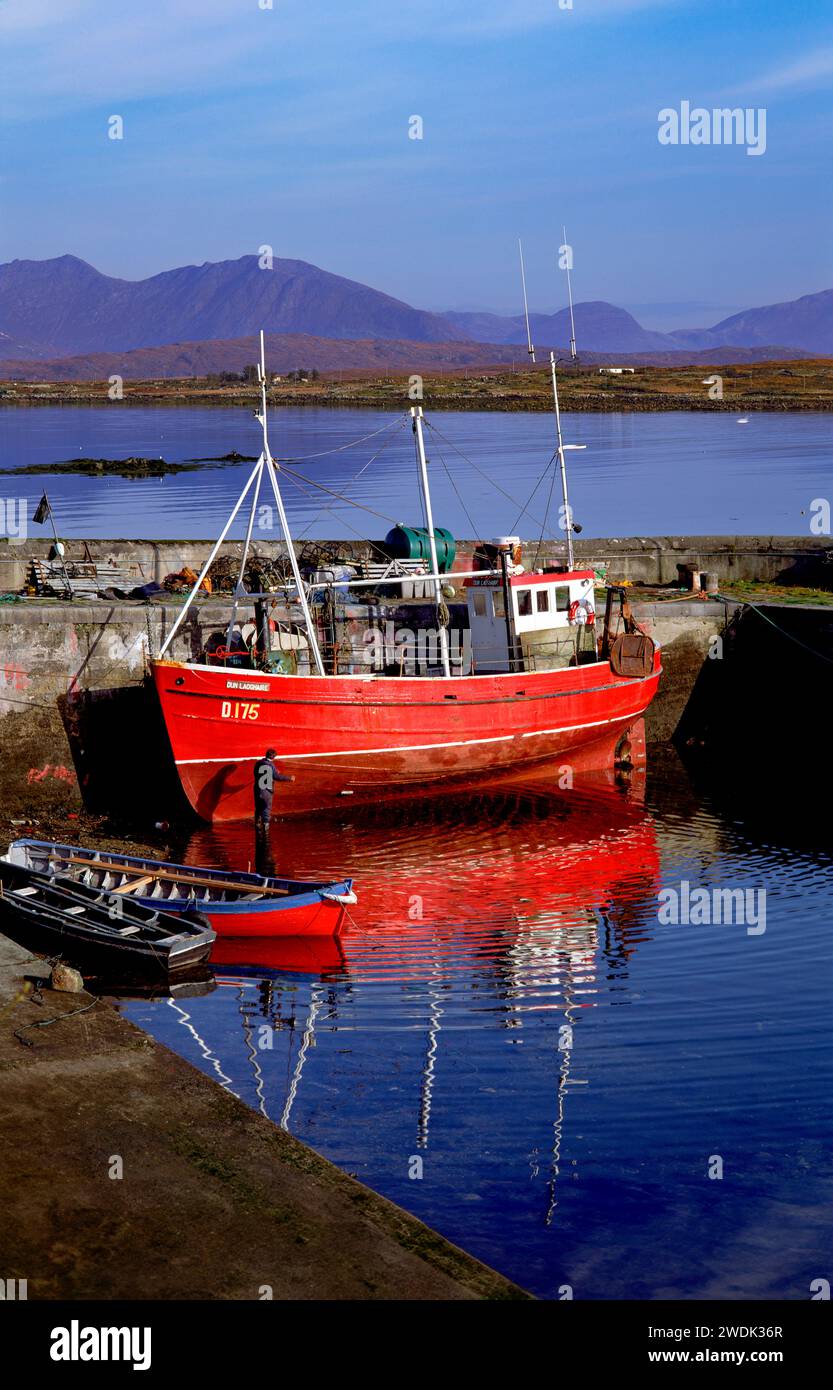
pixel 496 18
pixel 810 71
pixel 70 54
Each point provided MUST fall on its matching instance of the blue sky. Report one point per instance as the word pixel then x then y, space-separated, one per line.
pixel 289 126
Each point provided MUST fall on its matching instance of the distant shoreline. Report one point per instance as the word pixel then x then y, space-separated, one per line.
pixel 801 385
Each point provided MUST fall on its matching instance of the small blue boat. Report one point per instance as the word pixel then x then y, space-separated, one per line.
pixel 235 903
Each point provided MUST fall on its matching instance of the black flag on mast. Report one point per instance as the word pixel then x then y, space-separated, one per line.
pixel 42 511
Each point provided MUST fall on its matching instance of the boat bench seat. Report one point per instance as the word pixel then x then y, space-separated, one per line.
pixel 25 892
pixel 75 911
pixel 129 931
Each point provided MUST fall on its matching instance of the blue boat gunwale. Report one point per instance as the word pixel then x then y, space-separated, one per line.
pixel 299 892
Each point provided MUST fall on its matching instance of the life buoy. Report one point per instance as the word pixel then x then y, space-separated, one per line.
pixel 581 606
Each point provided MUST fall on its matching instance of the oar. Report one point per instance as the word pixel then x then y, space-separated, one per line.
pixel 200 882
pixel 134 885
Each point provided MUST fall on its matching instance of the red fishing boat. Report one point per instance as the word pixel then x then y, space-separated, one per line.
pixel 545 681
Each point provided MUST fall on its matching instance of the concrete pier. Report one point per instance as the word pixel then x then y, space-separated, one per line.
pixel 213 1201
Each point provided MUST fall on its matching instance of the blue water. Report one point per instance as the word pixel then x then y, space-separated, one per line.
pixel 640 474
pixel 562 1159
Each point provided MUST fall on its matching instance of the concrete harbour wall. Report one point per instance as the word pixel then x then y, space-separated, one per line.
pixel 50 649
pixel 643 559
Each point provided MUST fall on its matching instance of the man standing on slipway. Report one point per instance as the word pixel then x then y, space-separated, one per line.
pixel 265 777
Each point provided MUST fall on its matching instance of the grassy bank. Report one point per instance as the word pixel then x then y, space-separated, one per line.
pixel 799 385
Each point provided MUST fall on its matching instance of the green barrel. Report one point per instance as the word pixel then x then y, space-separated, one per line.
pixel 414 543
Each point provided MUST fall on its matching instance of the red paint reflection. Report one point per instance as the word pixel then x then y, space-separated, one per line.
pixel 528 871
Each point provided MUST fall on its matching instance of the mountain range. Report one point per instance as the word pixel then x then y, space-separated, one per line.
pixel 600 327
pixel 64 308
pixel 805 323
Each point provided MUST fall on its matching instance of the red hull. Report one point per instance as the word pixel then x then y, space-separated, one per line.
pixel 354 739
pixel 319 919
pixel 311 955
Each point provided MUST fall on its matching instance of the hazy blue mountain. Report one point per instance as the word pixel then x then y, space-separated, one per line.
pixel 804 323
pixel 65 306
pixel 10 347
pixel 600 327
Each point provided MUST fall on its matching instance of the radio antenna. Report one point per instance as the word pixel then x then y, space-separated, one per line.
pixel 567 254
pixel 530 349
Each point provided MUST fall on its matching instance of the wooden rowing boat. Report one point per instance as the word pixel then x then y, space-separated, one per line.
pixel 234 903
pixel 94 929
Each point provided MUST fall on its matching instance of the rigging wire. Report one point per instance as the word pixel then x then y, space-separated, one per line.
pixel 353 444
pixel 475 531
pixel 358 534
pixel 546 518
pixel 550 461
pixel 290 473
pixel 354 479
pixel 477 467
pixel 392 428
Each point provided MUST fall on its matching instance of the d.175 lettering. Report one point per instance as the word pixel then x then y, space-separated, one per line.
pixel 239 709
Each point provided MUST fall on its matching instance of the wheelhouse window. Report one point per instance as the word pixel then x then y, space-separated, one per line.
pixel 524 603
pixel 562 598
pixel 479 604
pixel 542 601
pixel 498 607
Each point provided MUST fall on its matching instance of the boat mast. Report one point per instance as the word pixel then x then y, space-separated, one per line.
pixel 529 347
pixel 265 461
pixel 573 353
pixel 290 548
pixel 255 473
pixel 240 588
pixel 568 516
pixel 416 415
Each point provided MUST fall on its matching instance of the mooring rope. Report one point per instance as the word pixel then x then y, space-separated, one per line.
pixel 45 1022
pixel 726 598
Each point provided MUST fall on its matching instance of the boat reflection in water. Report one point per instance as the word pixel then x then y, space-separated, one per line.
pixel 480 918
